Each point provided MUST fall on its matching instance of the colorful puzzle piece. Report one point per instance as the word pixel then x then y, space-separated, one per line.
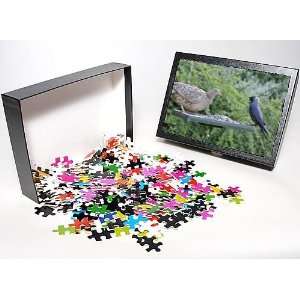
pixel 62 230
pixel 116 192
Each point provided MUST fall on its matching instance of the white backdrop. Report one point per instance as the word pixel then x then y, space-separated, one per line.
pixel 72 120
pixel 267 225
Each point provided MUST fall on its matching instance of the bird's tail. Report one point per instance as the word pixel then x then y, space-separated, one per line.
pixel 265 130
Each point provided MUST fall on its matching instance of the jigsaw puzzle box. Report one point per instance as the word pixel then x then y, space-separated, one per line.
pixel 67 114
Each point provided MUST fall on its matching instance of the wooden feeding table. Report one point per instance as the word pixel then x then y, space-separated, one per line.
pixel 213 120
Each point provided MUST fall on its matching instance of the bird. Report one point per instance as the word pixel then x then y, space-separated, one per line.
pixel 257 115
pixel 191 98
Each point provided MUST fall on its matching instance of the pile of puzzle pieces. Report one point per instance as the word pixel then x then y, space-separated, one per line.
pixel 115 191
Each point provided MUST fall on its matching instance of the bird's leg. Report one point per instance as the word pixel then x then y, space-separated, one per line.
pixel 182 108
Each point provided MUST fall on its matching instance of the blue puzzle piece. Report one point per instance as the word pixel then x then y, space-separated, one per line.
pixel 107 217
pixel 77 213
pixel 81 184
pixel 185 180
pixel 133 221
pixel 142 184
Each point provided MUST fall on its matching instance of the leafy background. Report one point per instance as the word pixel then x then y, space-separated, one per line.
pixel 236 86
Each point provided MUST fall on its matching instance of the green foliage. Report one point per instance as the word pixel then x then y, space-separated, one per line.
pixel 236 86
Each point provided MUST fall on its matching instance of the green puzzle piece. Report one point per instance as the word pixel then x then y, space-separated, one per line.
pixel 157 157
pixel 153 209
pixel 110 198
pixel 199 174
pixel 164 194
pixel 113 168
pixel 236 200
pixel 119 230
pixel 209 197
pixel 97 209
pixel 61 229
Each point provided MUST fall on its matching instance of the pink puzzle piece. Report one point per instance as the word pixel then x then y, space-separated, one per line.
pixel 56 162
pixel 197 187
pixel 206 189
pixel 66 162
pixel 200 188
pixel 66 177
pixel 183 192
pixel 178 174
pixel 159 185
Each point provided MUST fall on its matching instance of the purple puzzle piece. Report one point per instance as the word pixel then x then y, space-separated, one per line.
pixel 88 195
pixel 149 171
pixel 151 201
pixel 172 204
pixel 107 181
pixel 235 189
pixel 205 214
pixel 183 192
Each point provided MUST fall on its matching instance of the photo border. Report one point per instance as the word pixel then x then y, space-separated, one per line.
pixel 233 154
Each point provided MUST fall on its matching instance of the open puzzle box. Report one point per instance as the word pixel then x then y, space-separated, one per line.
pixel 102 185
pixel 68 113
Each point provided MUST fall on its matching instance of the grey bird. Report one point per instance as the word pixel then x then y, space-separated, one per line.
pixel 191 98
pixel 257 115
